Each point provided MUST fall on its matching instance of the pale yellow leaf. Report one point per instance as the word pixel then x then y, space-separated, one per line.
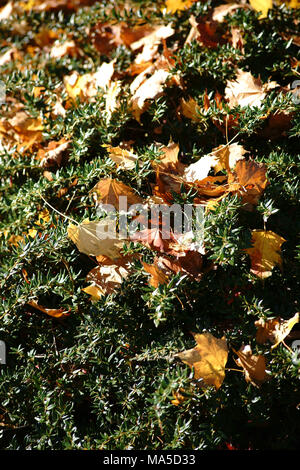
pixel 86 238
pixel 246 90
pixel 123 158
pixel 143 89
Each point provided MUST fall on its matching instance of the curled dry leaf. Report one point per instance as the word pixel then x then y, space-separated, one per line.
pixel 208 358
pixel 246 90
pixel 237 39
pixel 18 128
pixel 157 275
pixel 105 280
pixel 143 89
pixel 254 366
pixel 275 330
pixel 265 254
pixel 111 98
pixel 194 33
pixel 249 180
pixel 53 312
pixel 53 154
pixel 150 43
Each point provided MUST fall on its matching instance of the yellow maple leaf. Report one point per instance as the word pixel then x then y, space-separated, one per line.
pixel 208 358
pixel 177 5
pixel 265 252
pixel 262 5
pixel 274 330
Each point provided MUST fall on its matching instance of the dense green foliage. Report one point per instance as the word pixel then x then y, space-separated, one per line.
pixel 103 377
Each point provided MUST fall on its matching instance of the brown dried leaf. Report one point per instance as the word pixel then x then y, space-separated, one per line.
pixel 275 330
pixel 108 191
pixel 254 366
pixel 53 154
pixel 190 263
pixel 157 275
pixel 105 279
pixel 249 180
pixel 150 43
